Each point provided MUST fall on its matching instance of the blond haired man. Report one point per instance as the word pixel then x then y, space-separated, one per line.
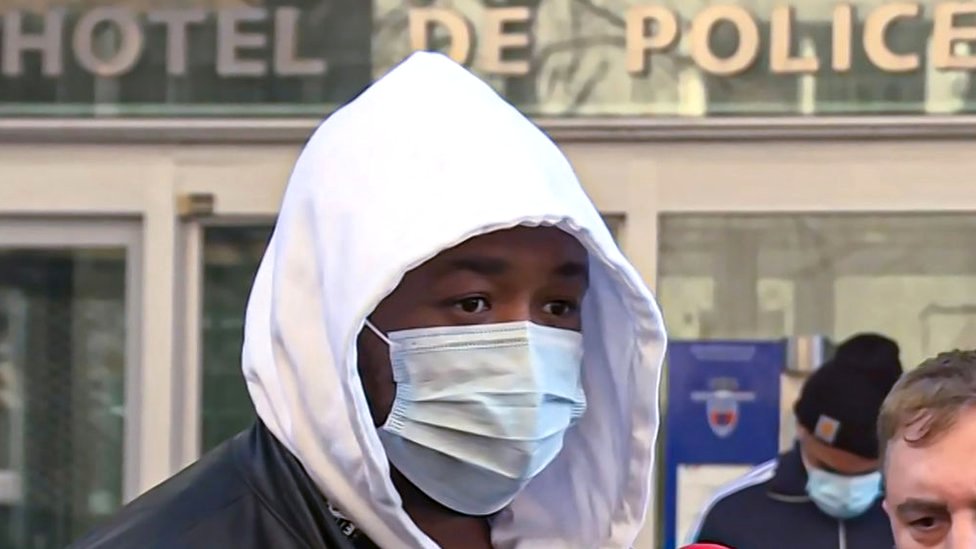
pixel 927 430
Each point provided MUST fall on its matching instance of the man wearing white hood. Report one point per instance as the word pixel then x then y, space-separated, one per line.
pixel 444 347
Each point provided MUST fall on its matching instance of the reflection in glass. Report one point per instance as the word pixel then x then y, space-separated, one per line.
pixel 306 57
pixel 62 379
pixel 579 50
pixel 310 57
pixel 909 276
pixel 231 257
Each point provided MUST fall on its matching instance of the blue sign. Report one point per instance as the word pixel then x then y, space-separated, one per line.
pixel 723 407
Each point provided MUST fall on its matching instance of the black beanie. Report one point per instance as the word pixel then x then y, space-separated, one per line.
pixel 873 354
pixel 839 404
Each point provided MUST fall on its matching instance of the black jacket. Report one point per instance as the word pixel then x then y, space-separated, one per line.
pixel 250 493
pixel 769 509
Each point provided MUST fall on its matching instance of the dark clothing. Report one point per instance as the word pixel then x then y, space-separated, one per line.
pixel 769 509
pixel 250 493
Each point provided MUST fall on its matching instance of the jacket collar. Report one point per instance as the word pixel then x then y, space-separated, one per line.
pixel 280 482
pixel 789 482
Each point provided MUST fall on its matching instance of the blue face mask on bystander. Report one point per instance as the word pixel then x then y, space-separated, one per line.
pixel 840 496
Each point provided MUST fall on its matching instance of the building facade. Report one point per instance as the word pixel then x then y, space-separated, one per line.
pixel 771 169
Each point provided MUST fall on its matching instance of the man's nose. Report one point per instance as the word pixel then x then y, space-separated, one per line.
pixel 515 311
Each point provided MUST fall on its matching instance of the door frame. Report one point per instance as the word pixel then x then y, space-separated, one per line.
pixel 188 432
pixel 47 232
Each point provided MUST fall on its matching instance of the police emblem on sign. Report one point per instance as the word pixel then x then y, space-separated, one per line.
pixel 722 409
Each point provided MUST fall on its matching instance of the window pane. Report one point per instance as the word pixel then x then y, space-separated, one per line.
pixel 231 259
pixel 62 379
pixel 909 276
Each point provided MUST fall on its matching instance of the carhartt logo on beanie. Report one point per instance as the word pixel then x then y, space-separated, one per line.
pixel 840 402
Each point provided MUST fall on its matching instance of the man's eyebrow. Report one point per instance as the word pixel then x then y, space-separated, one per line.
pixel 482 265
pixel 572 269
pixel 494 266
pixel 917 505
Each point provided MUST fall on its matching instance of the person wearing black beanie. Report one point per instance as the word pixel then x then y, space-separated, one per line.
pixel 826 491
pixel 840 402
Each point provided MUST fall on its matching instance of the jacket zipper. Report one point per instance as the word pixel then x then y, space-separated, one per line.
pixel 841 535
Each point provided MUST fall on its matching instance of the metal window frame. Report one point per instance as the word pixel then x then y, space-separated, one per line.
pixel 188 431
pixel 565 130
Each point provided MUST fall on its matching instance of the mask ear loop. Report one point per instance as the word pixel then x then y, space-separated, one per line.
pixel 378 333
pixel 394 421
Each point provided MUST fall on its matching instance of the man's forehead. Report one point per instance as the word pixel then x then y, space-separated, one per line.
pixel 958 436
pixel 549 240
pixel 921 485
pixel 495 253
pixel 523 235
pixel 937 470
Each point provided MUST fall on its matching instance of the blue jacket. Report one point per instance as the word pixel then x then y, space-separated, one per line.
pixel 769 509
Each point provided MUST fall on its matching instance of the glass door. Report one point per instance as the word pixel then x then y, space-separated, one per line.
pixel 67 337
pixel 231 255
pixel 222 257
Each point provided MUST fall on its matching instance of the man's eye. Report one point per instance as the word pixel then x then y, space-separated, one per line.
pixel 473 305
pixel 560 308
pixel 924 524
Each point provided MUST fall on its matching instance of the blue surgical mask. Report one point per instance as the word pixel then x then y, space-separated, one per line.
pixel 480 410
pixel 840 496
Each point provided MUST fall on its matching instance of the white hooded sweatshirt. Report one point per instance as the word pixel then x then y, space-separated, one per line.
pixel 426 158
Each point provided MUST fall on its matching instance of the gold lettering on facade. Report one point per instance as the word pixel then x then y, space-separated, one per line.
pixel 495 40
pixel 422 19
pixel 649 29
pixel 781 60
pixel 842 38
pixel 245 47
pixel 747 50
pixel 946 35
pixel 876 37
